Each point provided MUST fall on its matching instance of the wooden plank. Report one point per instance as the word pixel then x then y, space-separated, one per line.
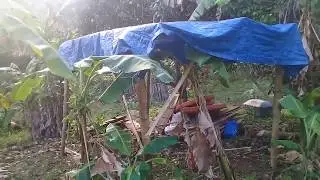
pixel 169 100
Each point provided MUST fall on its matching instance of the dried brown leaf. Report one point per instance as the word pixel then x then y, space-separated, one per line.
pixel 101 167
pixel 106 163
pixel 201 151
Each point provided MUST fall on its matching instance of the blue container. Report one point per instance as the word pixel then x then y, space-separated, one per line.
pixel 231 129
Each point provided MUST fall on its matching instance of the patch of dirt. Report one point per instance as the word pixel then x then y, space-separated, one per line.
pixel 248 156
pixel 37 161
pixel 43 161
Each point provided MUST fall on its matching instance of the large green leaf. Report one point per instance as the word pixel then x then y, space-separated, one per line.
pixel 134 63
pixel 313 120
pixel 19 31
pixel 113 92
pixel 130 173
pixel 287 144
pixel 312 97
pixel 14 8
pixel 294 106
pixel 143 170
pixel 218 66
pixel 197 57
pixel 203 7
pixel 220 70
pixel 25 88
pixel 156 145
pixel 119 139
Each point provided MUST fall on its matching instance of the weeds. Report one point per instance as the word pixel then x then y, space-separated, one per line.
pixel 16 138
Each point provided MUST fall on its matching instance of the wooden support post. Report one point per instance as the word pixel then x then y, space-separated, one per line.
pixel 143 95
pixel 278 84
pixel 64 112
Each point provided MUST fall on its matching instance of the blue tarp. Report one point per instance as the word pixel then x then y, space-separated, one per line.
pixel 235 40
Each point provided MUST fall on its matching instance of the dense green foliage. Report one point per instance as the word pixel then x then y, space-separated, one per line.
pixel 307 111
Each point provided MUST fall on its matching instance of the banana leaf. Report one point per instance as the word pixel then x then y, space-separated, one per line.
pixel 218 66
pixel 20 31
pixel 128 64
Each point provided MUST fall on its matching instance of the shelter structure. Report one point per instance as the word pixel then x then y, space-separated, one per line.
pixel 239 40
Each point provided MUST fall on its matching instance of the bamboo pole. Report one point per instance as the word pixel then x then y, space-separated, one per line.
pixel 64 112
pixel 142 91
pixel 278 84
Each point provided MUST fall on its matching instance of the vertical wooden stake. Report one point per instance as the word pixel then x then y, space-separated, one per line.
pixel 142 91
pixel 64 112
pixel 278 84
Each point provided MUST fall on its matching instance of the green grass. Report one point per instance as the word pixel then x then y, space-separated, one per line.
pixel 15 138
pixel 239 91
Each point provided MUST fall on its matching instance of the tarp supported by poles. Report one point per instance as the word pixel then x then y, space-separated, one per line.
pixel 239 40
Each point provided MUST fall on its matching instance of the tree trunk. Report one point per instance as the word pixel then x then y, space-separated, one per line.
pixel 45 113
pixel 65 113
pixel 278 83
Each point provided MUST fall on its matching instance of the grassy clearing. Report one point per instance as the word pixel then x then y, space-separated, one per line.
pixel 15 138
pixel 239 91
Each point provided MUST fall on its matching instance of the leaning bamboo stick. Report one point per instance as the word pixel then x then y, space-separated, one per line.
pixel 135 132
pixel 169 100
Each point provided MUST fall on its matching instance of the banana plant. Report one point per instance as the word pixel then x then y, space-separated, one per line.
pixel 205 6
pixel 16 88
pixel 308 112
pixel 123 67
pixel 131 166
pixel 22 26
pixel 217 66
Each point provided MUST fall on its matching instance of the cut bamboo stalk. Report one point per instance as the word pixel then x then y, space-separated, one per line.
pixel 142 95
pixel 64 114
pixel 169 100
pixel 276 115
pixel 135 132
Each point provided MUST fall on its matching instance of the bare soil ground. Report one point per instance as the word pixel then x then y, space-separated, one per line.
pixel 35 161
pixel 43 160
